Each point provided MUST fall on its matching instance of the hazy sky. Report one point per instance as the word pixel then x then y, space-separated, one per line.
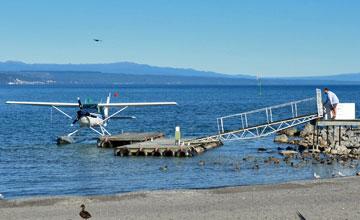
pixel 267 37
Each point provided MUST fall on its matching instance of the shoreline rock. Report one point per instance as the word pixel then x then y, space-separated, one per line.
pixel 292 132
pixel 283 138
pixel 327 140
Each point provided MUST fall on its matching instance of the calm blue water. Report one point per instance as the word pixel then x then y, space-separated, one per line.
pixel 32 164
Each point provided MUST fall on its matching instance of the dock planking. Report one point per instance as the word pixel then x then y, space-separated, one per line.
pixel 127 138
pixel 165 147
pixel 155 144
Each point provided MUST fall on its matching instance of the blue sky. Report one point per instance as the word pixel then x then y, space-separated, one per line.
pixel 266 37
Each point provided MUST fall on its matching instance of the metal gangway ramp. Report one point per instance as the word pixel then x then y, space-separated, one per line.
pixel 266 121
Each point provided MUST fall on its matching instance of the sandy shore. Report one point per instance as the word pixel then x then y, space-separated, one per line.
pixel 318 199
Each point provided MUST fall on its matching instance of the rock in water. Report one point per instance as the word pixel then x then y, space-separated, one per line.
pixel 201 163
pixel 355 152
pixel 294 142
pixel 342 150
pixel 308 130
pixel 333 151
pixel 288 153
pixel 163 168
pixel 261 149
pixel 289 132
pixel 281 138
pixel 289 148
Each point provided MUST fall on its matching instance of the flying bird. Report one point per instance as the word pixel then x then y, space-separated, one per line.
pixel 84 214
pixel 97 40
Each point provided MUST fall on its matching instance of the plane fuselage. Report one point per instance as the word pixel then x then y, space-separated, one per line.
pixel 93 120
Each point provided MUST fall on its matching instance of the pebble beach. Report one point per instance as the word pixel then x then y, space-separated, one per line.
pixel 337 198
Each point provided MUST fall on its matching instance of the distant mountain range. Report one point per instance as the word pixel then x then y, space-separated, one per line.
pixel 13 72
pixel 119 67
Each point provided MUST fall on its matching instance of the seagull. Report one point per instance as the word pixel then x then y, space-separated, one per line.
pixel 341 174
pixel 97 40
pixel 316 176
pixel 84 214
pixel 2 196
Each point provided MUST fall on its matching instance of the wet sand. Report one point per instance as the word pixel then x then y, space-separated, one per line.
pixel 337 198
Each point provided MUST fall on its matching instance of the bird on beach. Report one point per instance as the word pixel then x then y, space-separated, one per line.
pixel 84 214
pixel 301 217
pixel 1 196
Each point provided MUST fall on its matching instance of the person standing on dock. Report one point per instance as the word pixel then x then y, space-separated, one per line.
pixel 331 102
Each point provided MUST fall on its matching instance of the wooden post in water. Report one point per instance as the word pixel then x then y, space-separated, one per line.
pixel 327 135
pixel 339 135
pixel 177 135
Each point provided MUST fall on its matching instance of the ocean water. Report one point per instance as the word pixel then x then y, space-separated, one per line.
pixel 31 164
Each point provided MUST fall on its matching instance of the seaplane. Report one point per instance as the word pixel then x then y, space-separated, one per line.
pixel 87 118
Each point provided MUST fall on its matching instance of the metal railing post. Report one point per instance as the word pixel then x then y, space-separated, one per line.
pixel 222 125
pixel 218 125
pixel 246 122
pixel 267 115
pixel 242 121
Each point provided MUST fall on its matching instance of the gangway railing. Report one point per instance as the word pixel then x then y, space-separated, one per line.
pixel 265 121
pixel 265 129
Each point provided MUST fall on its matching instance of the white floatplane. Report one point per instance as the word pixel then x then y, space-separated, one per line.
pixel 91 120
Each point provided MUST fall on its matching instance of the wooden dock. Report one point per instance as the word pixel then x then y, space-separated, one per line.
pixel 166 148
pixel 127 138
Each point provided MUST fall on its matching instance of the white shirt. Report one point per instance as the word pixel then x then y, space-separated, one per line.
pixel 332 98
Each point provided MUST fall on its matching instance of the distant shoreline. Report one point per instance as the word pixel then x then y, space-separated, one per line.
pixel 162 77
pixel 336 198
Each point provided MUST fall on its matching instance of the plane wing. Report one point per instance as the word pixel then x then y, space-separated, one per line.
pixel 58 104
pixel 136 104
pixel 75 104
